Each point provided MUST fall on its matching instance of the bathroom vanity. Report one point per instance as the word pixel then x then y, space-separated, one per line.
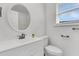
pixel 24 47
pixel 20 19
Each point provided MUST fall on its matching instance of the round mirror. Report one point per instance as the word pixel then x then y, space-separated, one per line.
pixel 19 17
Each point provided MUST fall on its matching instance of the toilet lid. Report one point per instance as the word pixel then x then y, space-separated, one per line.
pixel 53 49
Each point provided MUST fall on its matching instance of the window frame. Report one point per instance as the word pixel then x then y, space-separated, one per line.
pixel 59 23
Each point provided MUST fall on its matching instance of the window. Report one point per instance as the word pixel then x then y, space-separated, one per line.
pixel 67 13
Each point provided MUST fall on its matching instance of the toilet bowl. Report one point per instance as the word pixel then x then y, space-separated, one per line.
pixel 53 51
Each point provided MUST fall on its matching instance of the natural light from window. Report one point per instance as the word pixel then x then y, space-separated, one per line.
pixel 67 13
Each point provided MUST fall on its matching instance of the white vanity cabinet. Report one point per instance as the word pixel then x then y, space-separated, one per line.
pixel 35 48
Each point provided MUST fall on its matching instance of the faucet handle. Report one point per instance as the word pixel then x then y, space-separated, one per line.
pixel 24 34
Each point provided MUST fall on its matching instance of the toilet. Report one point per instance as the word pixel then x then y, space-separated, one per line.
pixel 53 51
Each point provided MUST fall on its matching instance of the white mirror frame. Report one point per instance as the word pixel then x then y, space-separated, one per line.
pixel 12 26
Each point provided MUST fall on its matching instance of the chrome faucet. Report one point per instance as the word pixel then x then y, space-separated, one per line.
pixel 22 36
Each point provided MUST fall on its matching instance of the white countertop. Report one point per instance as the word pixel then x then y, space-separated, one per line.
pixel 9 44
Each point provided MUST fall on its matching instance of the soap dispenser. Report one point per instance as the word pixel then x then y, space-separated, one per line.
pixel 33 35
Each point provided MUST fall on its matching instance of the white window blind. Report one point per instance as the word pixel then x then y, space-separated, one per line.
pixel 68 13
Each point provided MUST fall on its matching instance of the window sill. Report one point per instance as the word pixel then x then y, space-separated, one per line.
pixel 64 25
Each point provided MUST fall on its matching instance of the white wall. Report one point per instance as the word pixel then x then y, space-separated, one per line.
pixel 70 46
pixel 37 24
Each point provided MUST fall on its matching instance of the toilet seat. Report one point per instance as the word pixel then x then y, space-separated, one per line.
pixel 53 50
